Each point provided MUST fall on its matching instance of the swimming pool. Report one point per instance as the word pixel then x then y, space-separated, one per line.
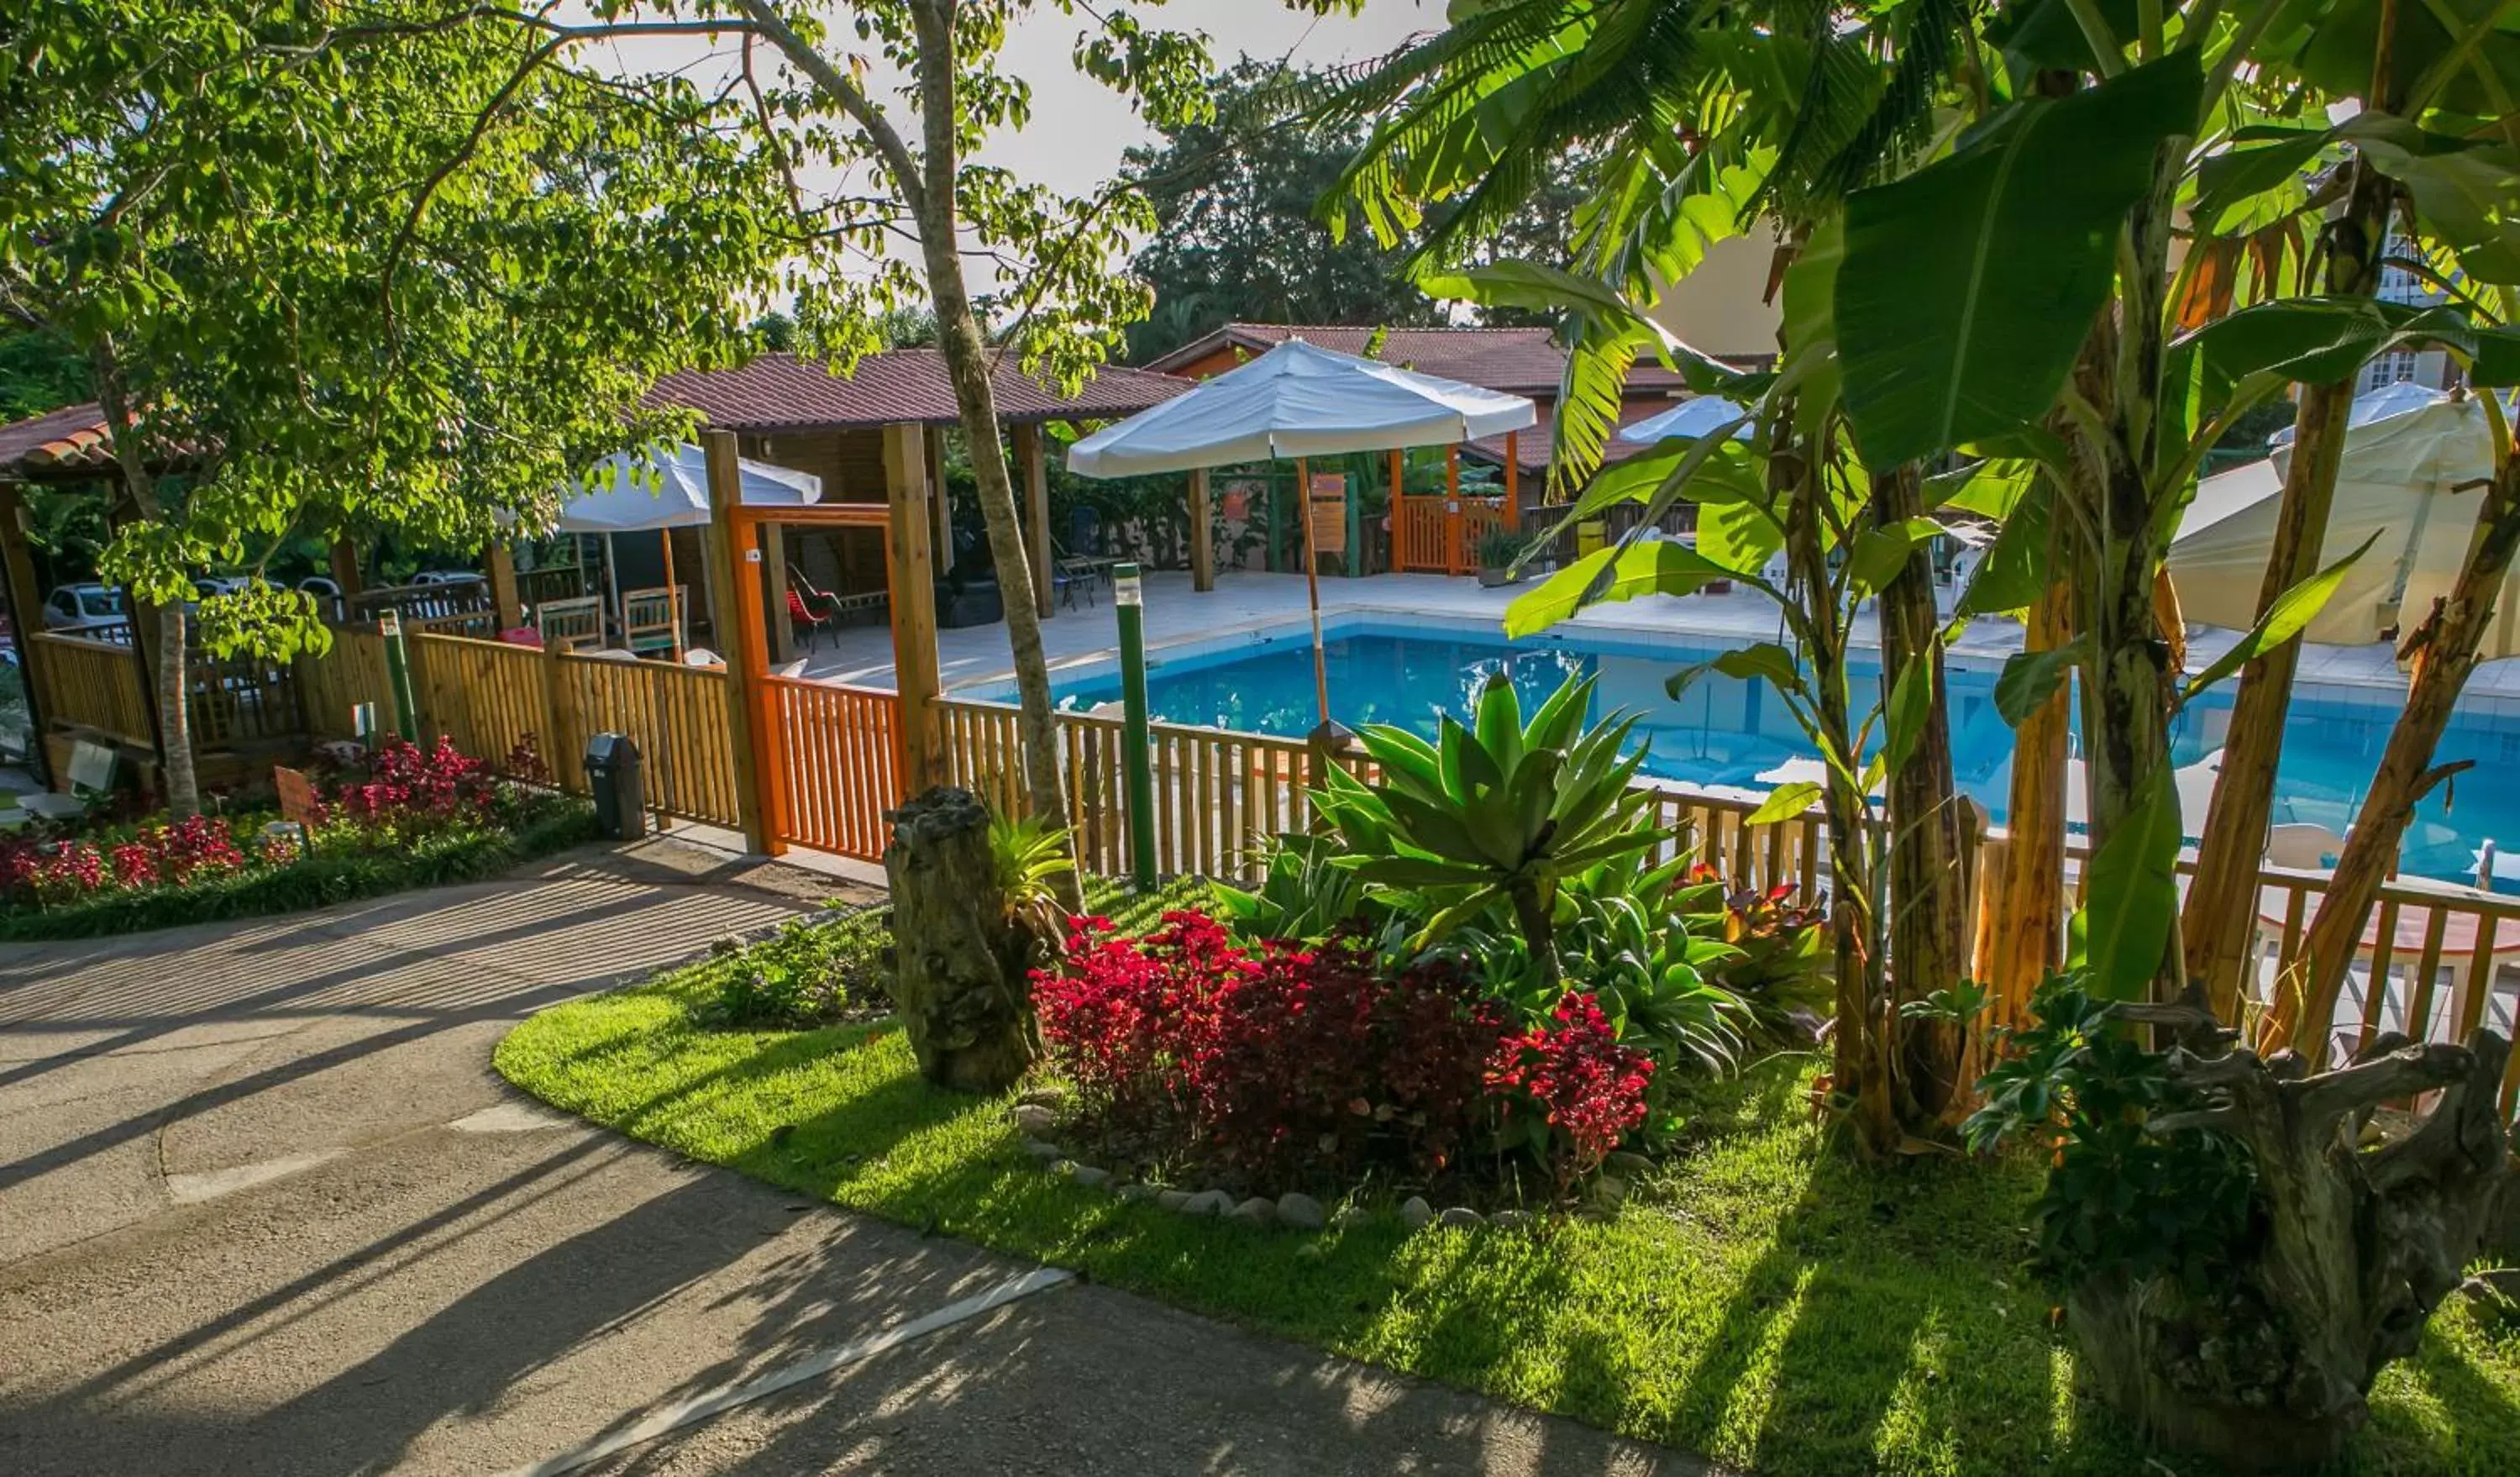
pixel 1724 731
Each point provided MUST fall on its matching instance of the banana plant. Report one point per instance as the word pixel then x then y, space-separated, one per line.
pixel 1500 812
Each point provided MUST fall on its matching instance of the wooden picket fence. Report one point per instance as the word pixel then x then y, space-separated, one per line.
pixel 91 684
pixel 839 765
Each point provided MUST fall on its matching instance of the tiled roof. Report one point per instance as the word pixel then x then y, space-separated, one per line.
pixel 1519 361
pixel 782 392
pixel 1532 445
pixel 71 439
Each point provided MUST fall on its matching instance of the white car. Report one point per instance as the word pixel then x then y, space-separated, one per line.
pixel 88 607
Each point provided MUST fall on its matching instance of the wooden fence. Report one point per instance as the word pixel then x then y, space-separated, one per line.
pixel 839 765
pixel 1440 535
pixel 92 685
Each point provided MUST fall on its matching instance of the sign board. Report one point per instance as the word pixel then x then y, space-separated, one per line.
pixel 1330 512
pixel 299 810
pixel 388 622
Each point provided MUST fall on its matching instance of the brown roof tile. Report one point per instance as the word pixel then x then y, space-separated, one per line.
pixel 1519 361
pixel 72 438
pixel 783 392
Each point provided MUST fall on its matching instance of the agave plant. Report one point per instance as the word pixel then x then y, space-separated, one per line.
pixel 1501 811
pixel 1303 894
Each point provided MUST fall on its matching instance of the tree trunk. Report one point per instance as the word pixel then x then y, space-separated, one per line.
pixel 2028 939
pixel 2267 1363
pixel 2444 650
pixel 966 360
pixel 961 964
pixel 2219 921
pixel 1929 887
pixel 177 777
pixel 1860 1072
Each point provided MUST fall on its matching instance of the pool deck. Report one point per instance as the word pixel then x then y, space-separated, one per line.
pixel 1082 634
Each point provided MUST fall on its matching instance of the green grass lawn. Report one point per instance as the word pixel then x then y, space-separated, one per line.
pixel 1762 1300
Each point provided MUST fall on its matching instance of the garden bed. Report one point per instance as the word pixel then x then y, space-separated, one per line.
pixel 446 822
pixel 1759 1298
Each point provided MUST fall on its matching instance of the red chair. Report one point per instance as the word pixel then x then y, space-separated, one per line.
pixel 804 619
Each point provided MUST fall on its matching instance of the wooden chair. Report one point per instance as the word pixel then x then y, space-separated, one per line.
pixel 650 619
pixel 565 623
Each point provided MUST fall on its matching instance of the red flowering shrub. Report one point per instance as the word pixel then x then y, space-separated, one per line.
pixel 1275 1063
pixel 50 871
pixel 1585 1091
pixel 409 786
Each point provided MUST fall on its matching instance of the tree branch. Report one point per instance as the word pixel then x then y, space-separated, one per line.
pixel 852 100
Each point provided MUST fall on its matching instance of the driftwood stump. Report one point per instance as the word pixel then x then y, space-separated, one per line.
pixel 960 962
pixel 2362 1233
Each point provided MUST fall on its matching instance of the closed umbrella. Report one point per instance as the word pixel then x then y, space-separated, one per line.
pixel 1703 416
pixel 1298 401
pixel 2410 482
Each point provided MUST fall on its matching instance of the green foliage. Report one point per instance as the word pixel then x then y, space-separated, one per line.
pixel 1304 893
pixel 2120 1199
pixel 1029 856
pixel 1970 286
pixel 1501 811
pixel 814 972
pixel 39 370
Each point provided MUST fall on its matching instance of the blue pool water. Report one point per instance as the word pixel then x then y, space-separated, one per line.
pixel 1726 732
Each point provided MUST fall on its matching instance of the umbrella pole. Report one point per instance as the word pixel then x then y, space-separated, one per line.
pixel 673 598
pixel 1313 586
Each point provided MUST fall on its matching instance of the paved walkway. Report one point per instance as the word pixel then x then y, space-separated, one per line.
pixel 265 1209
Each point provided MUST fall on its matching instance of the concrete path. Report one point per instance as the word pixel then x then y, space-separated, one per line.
pixel 265 1209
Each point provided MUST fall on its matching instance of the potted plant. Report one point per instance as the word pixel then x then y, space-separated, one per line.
pixel 1497 549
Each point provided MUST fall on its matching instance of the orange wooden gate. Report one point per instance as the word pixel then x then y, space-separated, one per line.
pixel 1419 535
pixel 839 765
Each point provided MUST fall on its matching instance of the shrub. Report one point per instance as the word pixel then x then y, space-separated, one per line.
pixel 409 788
pixel 1277 1062
pixel 809 974
pixel 1584 1090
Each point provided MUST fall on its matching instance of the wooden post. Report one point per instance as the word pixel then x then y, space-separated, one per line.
pixel 1036 472
pixel 774 575
pixel 27 617
pixel 503 586
pixel 1452 510
pixel 912 574
pixel 1202 543
pixel 759 792
pixel 941 547
pixel 562 735
pixel 1512 481
pixel 1399 504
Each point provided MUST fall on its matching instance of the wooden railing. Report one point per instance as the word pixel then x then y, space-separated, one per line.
pixel 839 765
pixel 243 701
pixel 676 715
pixel 1418 535
pixel 91 684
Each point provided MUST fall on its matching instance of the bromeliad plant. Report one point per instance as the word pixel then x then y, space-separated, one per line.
pixel 1503 812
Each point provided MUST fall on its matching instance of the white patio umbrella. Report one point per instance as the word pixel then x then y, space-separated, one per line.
pixel 1701 416
pixel 1299 401
pixel 659 489
pixel 2409 480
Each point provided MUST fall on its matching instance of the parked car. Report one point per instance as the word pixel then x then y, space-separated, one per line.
pixel 446 577
pixel 327 597
pixel 88 607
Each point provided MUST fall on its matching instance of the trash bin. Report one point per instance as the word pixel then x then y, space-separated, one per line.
pixel 612 776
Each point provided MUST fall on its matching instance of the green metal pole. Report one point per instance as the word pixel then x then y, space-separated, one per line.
pixel 1129 602
pixel 398 676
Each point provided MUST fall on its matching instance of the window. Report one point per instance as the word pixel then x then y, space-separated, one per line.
pixel 2389 369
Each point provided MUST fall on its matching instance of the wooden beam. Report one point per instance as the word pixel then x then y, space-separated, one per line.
pixel 910 573
pixel 503 585
pixel 1513 480
pixel 1202 542
pixel 760 793
pixel 774 576
pixel 941 548
pixel 1452 510
pixel 1036 475
pixel 26 617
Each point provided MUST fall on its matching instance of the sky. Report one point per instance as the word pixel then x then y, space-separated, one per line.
pixel 1079 127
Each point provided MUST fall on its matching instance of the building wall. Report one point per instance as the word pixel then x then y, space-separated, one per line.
pixel 850 463
pixel 1719 308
